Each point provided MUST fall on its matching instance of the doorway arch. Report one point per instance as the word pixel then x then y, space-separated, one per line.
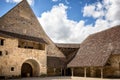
pixel 26 70
pixel 30 68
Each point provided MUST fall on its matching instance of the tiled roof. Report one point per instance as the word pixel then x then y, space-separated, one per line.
pixel 97 48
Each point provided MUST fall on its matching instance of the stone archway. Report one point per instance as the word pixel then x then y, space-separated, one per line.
pixel 30 68
pixel 26 70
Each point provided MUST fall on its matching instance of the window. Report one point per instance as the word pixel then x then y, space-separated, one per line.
pixel 6 52
pixel 0 53
pixel 12 68
pixel 1 42
pixel 30 45
pixel 18 45
pixel 41 46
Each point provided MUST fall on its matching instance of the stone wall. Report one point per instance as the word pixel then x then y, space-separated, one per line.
pixel 12 59
pixel 54 72
pixel 112 68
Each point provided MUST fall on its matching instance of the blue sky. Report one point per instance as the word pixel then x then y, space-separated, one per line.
pixel 74 12
pixel 71 20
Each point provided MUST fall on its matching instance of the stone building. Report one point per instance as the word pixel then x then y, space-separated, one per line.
pixel 58 66
pixel 24 46
pixel 26 50
pixel 99 55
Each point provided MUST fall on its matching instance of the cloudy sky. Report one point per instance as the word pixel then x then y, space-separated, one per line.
pixel 71 21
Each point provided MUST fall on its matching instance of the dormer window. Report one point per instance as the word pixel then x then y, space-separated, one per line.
pixel 2 42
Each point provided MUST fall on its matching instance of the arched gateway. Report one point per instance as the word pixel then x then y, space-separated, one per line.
pixel 30 68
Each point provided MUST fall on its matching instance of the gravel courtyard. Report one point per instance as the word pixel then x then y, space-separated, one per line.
pixel 62 78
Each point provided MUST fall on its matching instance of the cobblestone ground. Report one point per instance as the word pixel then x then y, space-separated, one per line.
pixel 45 78
pixel 61 78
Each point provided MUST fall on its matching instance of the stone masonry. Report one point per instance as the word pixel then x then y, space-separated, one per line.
pixel 12 58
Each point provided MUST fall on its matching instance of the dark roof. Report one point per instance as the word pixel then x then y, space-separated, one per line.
pixel 63 45
pixel 9 34
pixel 69 53
pixel 55 62
pixel 69 50
pixel 97 48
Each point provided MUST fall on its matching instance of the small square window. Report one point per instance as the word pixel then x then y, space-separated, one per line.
pixel 6 52
pixel 18 45
pixel 1 42
pixel 12 68
pixel 0 53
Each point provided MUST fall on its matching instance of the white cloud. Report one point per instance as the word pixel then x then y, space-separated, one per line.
pixel 110 9
pixel 31 2
pixel 54 0
pixel 113 12
pixel 60 29
pixel 94 10
pixel 56 23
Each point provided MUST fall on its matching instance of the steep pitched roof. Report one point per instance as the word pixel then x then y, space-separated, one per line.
pixel 21 20
pixel 97 48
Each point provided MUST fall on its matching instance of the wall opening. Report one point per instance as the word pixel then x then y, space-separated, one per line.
pixel 30 68
pixel 68 72
pixel 0 53
pixel 12 68
pixel 30 45
pixel 26 70
pixel 1 42
pixel 98 73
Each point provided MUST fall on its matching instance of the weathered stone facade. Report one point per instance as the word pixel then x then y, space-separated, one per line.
pixel 112 68
pixel 26 45
pixel 26 50
pixel 13 57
